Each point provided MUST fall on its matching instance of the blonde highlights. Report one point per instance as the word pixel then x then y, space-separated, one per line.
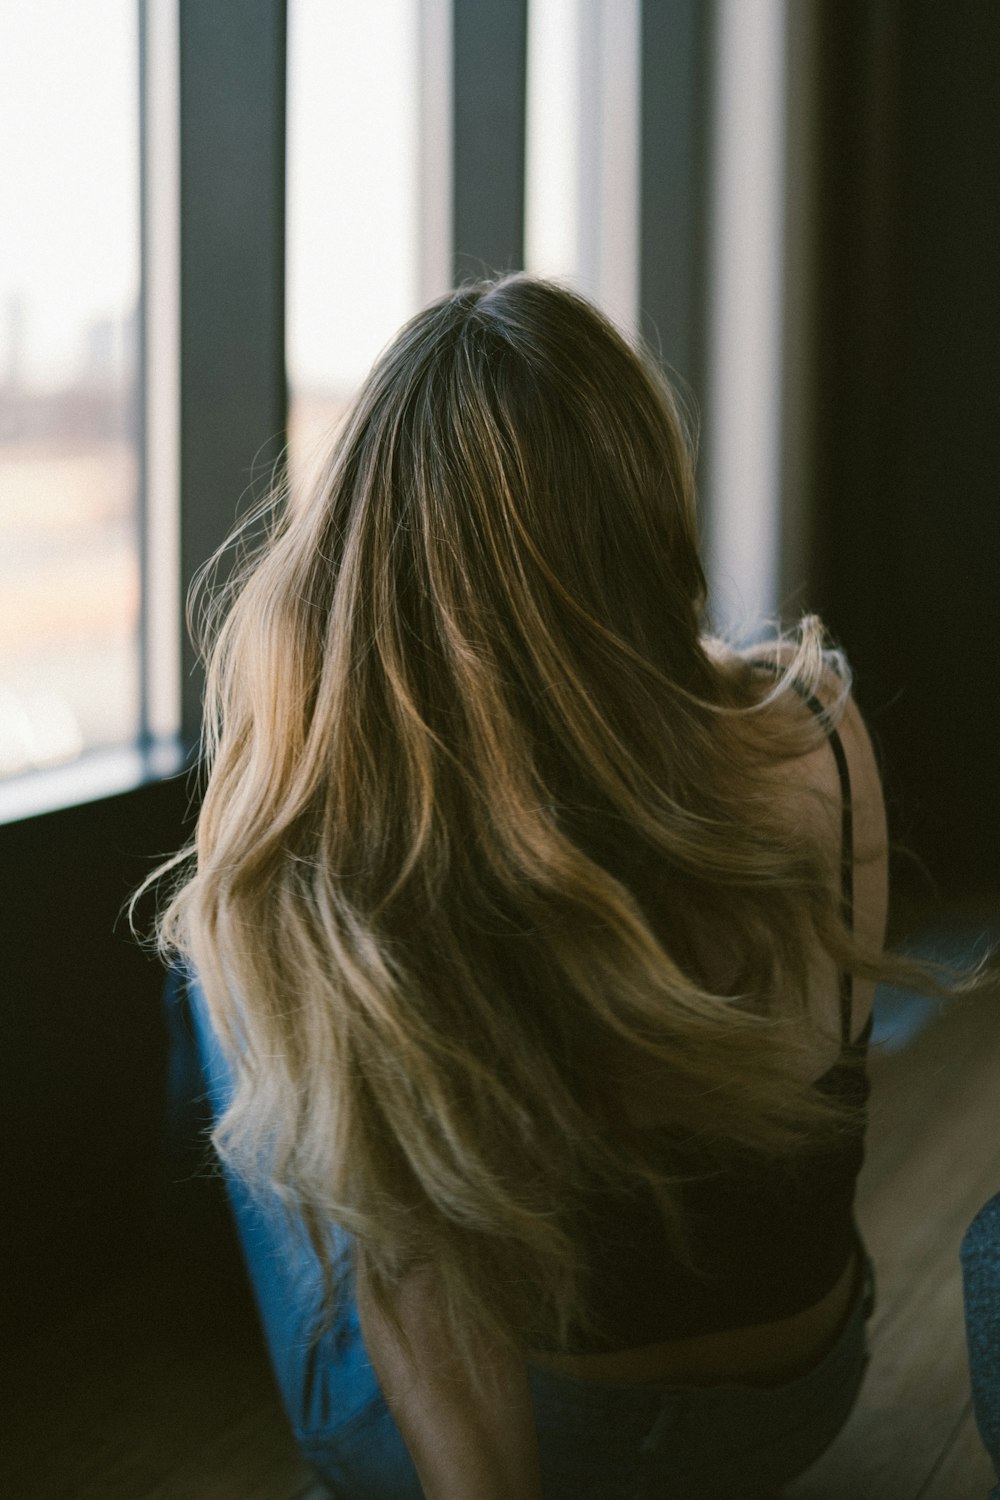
pixel 475 778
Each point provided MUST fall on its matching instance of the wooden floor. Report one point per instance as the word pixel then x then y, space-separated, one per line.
pixel 933 1160
pixel 160 1390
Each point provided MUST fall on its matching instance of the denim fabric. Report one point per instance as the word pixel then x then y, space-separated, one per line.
pixel 598 1440
pixel 604 1441
pixel 980 1256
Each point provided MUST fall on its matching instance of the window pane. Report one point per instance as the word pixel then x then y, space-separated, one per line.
pixel 69 256
pixel 582 185
pixel 353 160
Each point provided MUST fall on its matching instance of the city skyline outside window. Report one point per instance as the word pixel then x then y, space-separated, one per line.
pixel 69 281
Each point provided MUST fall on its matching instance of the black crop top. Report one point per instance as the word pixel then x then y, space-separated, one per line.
pixel 768 1241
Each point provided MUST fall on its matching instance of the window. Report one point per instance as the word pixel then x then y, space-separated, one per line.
pixel 405 159
pixel 582 177
pixel 744 429
pixel 69 274
pixel 354 177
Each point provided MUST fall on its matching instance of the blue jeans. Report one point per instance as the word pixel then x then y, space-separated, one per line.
pixel 980 1256
pixel 598 1440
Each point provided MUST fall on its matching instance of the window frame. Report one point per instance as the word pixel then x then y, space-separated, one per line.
pixel 212 286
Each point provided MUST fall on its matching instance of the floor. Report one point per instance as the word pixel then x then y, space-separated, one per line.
pixel 159 1390
pixel 933 1160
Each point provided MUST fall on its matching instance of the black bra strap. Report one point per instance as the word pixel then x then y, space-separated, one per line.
pixel 846 868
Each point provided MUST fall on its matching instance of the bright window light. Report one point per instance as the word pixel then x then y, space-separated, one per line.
pixel 69 275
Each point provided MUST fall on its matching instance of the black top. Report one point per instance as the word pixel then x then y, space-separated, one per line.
pixel 769 1239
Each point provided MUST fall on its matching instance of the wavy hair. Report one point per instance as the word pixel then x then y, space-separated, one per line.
pixel 476 778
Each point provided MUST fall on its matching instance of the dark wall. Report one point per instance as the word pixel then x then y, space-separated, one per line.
pixel 82 1103
pixel 907 541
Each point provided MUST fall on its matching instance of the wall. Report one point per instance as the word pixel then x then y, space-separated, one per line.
pixel 82 1096
pixel 906 541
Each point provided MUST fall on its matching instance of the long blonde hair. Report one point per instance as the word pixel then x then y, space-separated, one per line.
pixel 475 778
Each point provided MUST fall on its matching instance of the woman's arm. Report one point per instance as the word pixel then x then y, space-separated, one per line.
pixel 465 1445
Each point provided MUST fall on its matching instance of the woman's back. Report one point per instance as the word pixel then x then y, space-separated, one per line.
pixel 776 1258
pixel 809 790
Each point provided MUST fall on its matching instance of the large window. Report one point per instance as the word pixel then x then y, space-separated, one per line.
pixel 69 258
pixel 405 166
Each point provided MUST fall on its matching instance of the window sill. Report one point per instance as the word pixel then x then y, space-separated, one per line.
pixel 96 774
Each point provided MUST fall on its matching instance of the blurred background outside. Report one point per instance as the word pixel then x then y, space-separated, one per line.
pixel 69 284
pixel 363 254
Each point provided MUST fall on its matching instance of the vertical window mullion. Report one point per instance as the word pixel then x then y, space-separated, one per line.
pixel 490 43
pixel 161 601
pixel 675 104
pixel 233 388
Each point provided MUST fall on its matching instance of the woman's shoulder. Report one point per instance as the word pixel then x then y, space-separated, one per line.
pixel 840 764
pixel 826 701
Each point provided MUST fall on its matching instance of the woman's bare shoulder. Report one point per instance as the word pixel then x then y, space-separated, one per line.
pixel 797 782
pixel 818 768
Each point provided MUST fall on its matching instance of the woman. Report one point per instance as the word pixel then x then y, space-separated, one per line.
pixel 536 935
